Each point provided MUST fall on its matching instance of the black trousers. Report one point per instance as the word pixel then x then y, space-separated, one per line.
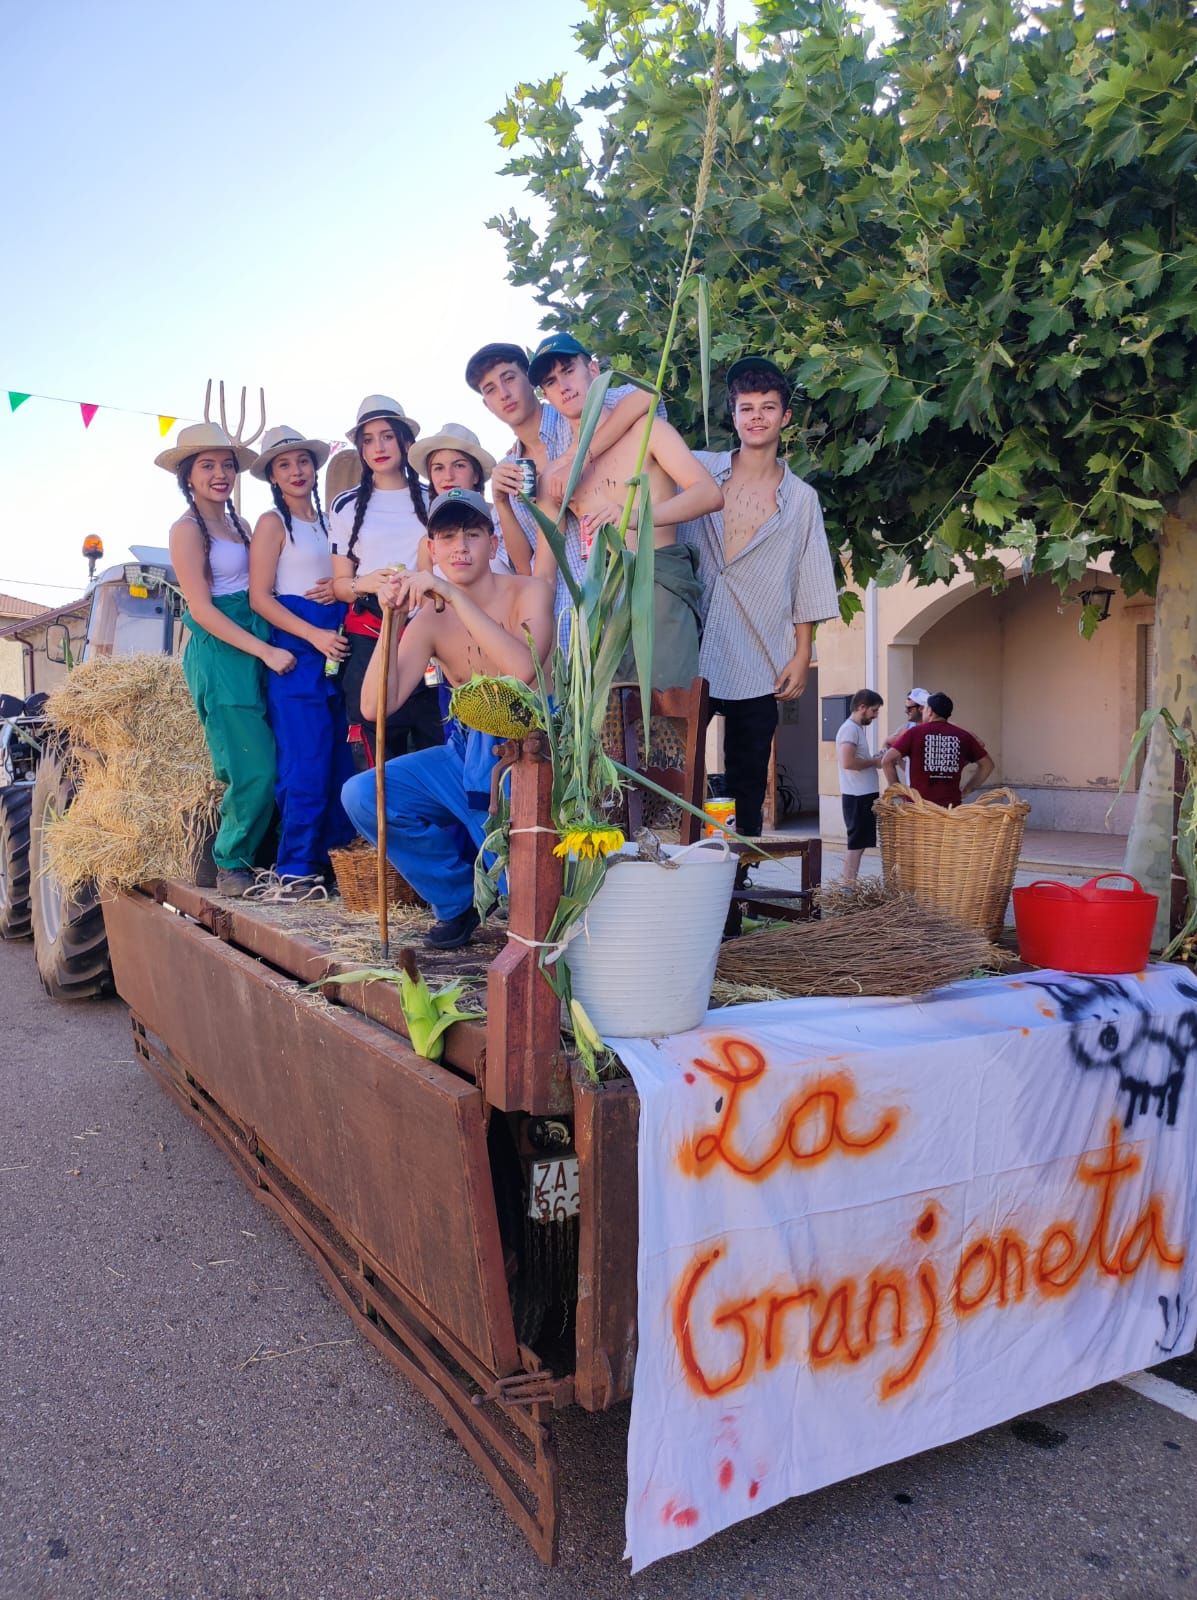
pixel 416 725
pixel 748 728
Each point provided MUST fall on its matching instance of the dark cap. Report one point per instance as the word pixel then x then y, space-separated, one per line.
pixel 556 346
pixel 759 364
pixel 453 503
pixel 489 356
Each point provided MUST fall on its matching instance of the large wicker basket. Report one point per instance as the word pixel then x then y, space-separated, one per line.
pixel 960 859
pixel 356 868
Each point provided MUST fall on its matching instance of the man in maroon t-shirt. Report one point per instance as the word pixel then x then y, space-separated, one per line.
pixel 939 751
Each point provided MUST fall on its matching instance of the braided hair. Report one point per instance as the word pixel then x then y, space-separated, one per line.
pixel 280 499
pixel 365 488
pixel 183 477
pixel 281 506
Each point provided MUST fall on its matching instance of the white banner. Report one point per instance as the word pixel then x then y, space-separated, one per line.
pixel 869 1227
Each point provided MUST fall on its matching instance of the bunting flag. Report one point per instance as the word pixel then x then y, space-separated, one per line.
pixel 88 409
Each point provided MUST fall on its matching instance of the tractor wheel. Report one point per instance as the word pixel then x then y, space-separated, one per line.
pixel 68 930
pixel 14 860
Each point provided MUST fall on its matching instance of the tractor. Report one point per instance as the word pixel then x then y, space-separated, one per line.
pixel 135 609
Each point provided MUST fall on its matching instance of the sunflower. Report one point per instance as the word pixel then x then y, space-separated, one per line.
pixel 588 844
pixel 502 707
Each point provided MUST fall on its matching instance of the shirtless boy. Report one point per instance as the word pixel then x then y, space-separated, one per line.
pixel 767 578
pixel 437 801
pixel 499 373
pixel 680 488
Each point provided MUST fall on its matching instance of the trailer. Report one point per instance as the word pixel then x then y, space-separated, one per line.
pixel 476 1218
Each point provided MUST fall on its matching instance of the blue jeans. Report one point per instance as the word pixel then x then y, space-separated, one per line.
pixel 437 804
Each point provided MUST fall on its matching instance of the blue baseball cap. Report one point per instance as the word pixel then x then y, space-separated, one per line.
pixel 549 350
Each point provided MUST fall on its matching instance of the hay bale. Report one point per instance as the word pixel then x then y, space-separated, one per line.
pixel 146 796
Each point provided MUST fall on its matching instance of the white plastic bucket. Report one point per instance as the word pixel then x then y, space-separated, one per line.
pixel 643 960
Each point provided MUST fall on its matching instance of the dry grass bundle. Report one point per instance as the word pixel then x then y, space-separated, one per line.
pixel 146 796
pixel 842 899
pixel 896 946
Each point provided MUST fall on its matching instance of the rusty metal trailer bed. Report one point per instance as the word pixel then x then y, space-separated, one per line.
pixel 405 1180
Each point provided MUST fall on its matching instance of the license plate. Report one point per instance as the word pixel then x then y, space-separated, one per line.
pixel 554 1190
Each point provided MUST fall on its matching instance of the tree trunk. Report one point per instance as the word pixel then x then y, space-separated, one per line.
pixel 1149 847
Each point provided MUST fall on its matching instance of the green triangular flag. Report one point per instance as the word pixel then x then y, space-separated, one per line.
pixel 15 399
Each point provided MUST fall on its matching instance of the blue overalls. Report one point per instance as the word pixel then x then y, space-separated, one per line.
pixel 307 714
pixel 437 804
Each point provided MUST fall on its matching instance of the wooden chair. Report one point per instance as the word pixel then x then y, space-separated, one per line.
pixel 689 707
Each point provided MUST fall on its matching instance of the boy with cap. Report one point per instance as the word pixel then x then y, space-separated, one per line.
pixel 438 800
pixel 767 578
pixel 499 373
pixel 680 489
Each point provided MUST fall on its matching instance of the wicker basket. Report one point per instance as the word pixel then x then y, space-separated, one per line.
pixel 356 868
pixel 960 859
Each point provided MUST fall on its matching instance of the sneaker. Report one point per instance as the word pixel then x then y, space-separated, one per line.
pixel 291 889
pixel 232 884
pixel 453 933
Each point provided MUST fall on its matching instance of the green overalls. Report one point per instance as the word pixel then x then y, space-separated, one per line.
pixel 229 690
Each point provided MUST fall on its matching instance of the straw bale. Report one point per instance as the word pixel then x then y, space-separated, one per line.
pixel 146 796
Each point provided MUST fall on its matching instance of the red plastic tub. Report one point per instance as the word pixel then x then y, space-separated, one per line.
pixel 1089 929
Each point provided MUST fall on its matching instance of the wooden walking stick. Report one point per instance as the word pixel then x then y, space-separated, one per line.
pixel 380 761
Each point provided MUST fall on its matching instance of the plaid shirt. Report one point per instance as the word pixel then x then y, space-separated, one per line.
pixel 751 604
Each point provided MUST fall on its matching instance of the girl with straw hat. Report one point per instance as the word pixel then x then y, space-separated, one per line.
pixel 452 459
pixel 375 528
pixel 291 588
pixel 228 649
pixel 455 459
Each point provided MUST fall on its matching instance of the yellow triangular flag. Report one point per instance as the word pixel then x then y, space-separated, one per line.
pixel 165 424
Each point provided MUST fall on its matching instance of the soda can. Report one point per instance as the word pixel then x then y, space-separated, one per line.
pixel 527 474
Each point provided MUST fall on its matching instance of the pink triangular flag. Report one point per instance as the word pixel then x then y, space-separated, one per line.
pixel 88 412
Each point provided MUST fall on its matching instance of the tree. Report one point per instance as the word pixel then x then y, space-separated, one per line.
pixel 975 246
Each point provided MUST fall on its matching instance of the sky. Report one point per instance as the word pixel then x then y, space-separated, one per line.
pixel 291 197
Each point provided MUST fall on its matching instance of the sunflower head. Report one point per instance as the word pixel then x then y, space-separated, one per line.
pixel 502 707
pixel 588 844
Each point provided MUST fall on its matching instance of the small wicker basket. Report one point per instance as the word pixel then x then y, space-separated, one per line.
pixel 960 859
pixel 356 868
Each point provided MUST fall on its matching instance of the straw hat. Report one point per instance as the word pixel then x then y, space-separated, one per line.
pixel 344 472
pixel 199 436
pixel 453 436
pixel 380 405
pixel 278 441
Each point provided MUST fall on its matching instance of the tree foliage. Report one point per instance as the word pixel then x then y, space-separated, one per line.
pixel 975 246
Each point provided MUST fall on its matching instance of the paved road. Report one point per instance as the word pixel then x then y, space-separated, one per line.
pixel 142 1457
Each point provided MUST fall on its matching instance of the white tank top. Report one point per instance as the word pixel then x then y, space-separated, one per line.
pixel 305 560
pixel 229 561
pixel 390 533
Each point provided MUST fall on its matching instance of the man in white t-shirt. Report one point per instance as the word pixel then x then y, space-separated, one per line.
pixel 859 784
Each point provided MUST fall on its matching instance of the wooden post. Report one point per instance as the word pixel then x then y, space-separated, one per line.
pixel 525 1069
pixel 380 761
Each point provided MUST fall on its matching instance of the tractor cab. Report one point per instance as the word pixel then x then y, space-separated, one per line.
pixel 135 609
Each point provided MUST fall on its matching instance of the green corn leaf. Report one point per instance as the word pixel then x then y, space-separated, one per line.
pixel 637 383
pixel 550 531
pixel 642 606
pixel 702 290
